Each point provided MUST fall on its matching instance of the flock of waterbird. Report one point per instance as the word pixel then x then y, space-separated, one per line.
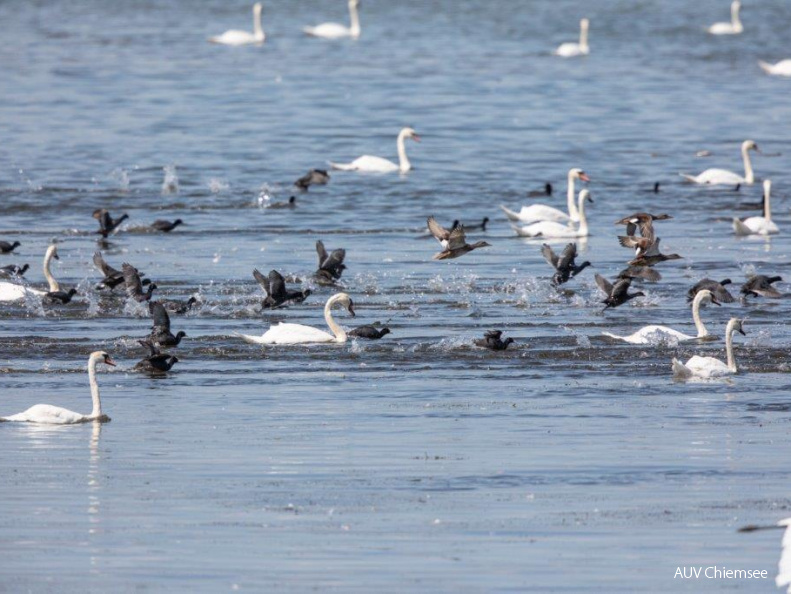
pixel 539 221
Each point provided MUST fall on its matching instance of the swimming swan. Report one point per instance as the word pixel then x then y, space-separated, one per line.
pixel 336 30
pixel 570 50
pixel 542 212
pixel 298 334
pixel 16 292
pixel 707 367
pixel 782 68
pixel 369 164
pixel 758 225
pixel 725 177
pixel 552 229
pixel 55 415
pixel 653 334
pixel 237 37
pixel 734 27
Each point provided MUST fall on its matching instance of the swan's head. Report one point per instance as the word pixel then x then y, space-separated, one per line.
pixel 257 8
pixel 750 145
pixel 705 296
pixel 584 24
pixel 102 357
pixel 584 196
pixel 736 325
pixel 354 3
pixel 736 6
pixel 410 133
pixel 577 173
pixel 346 301
pixel 52 252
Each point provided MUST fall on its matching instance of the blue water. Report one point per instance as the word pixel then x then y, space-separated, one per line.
pixel 416 463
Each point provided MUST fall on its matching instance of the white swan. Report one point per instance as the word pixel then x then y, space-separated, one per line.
pixel 298 334
pixel 542 212
pixel 782 68
pixel 55 415
pixel 336 30
pixel 16 292
pixel 369 164
pixel 237 37
pixel 654 334
pixel 758 225
pixel 707 367
pixel 570 50
pixel 553 229
pixel 734 27
pixel 725 177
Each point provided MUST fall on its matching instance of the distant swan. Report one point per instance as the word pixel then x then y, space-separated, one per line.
pixel 237 37
pixel 758 225
pixel 336 30
pixel 725 177
pixel 298 334
pixel 369 164
pixel 542 212
pixel 16 292
pixel 734 27
pixel 653 334
pixel 707 367
pixel 552 229
pixel 55 415
pixel 570 50
pixel 782 68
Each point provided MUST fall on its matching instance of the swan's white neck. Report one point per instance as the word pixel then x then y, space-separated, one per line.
pixel 735 21
pixel 767 202
pixel 699 326
pixel 97 403
pixel 258 31
pixel 729 347
pixel 583 230
pixel 355 19
pixel 53 284
pixel 571 202
pixel 340 334
pixel 403 161
pixel 584 37
pixel 749 176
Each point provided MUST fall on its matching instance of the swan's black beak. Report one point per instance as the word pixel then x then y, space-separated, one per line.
pixel 56 256
pixel 109 361
pixel 714 300
pixel 742 332
pixel 351 308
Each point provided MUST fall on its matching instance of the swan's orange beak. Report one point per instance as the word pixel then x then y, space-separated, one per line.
pixel 416 138
pixel 584 177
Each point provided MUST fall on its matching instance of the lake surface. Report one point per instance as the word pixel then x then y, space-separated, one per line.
pixel 418 463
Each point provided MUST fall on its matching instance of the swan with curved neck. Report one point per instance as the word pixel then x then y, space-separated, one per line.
pixel 734 27
pixel 298 334
pixel 370 164
pixel 16 292
pixel 654 334
pixel 237 37
pixel 570 50
pixel 55 415
pixel 758 225
pixel 725 177
pixel 552 229
pixel 542 212
pixel 707 367
pixel 336 30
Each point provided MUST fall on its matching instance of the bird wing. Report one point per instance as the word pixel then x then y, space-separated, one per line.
pixel 103 267
pixel 549 256
pixel 629 241
pixel 131 280
pixel 262 280
pixel 603 283
pixel 495 334
pixel 652 249
pixel 277 286
pixel 152 347
pixel 439 232
pixel 334 260
pixel 621 288
pixel 160 315
pixel 321 252
pixel 457 239
pixel 567 257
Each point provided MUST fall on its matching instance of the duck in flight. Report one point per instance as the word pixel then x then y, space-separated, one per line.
pixel 276 292
pixel 564 264
pixel 618 293
pixel 107 224
pixel 331 264
pixel 492 340
pixel 160 333
pixel 453 242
